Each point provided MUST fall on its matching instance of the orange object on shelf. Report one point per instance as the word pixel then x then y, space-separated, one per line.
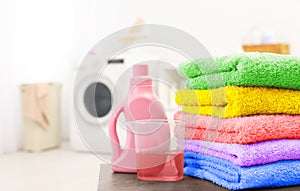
pixel 272 48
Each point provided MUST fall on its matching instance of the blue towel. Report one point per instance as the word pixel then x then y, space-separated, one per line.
pixel 227 175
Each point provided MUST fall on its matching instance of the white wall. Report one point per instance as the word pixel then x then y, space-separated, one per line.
pixel 219 25
pixel 49 36
pixel 8 123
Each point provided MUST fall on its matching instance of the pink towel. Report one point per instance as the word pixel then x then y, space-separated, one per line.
pixel 240 130
pixel 35 102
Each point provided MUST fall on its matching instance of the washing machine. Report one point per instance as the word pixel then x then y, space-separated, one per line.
pixel 108 91
pixel 89 129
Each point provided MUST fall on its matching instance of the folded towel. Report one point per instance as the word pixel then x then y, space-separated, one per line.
pixel 233 101
pixel 240 130
pixel 249 154
pixel 223 173
pixel 247 69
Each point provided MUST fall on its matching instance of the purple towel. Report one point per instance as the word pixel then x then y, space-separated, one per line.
pixel 224 173
pixel 249 154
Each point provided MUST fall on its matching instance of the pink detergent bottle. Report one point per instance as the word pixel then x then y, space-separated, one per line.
pixel 141 104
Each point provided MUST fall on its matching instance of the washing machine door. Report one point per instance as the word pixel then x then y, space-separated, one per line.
pixel 94 101
pixel 101 105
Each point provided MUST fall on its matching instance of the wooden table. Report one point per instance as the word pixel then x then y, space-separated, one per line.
pixel 109 181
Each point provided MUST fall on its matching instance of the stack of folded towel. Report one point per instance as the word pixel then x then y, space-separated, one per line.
pixel 244 131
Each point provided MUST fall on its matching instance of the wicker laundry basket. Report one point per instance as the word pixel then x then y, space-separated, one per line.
pixel 37 137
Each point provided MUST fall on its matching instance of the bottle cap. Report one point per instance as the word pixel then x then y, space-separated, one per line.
pixel 140 70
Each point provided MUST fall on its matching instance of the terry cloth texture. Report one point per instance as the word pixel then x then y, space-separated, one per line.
pixel 233 101
pixel 249 154
pixel 240 130
pixel 247 69
pixel 225 174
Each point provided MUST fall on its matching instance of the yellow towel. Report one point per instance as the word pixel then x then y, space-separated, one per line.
pixel 234 101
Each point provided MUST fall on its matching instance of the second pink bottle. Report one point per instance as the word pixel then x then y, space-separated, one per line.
pixel 141 104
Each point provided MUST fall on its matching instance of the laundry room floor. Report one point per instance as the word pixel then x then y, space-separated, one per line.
pixel 59 169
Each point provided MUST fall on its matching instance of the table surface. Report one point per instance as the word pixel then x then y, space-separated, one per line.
pixel 109 181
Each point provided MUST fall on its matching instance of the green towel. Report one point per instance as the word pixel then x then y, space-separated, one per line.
pixel 247 69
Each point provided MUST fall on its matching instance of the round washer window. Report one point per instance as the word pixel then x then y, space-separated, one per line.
pixel 102 95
